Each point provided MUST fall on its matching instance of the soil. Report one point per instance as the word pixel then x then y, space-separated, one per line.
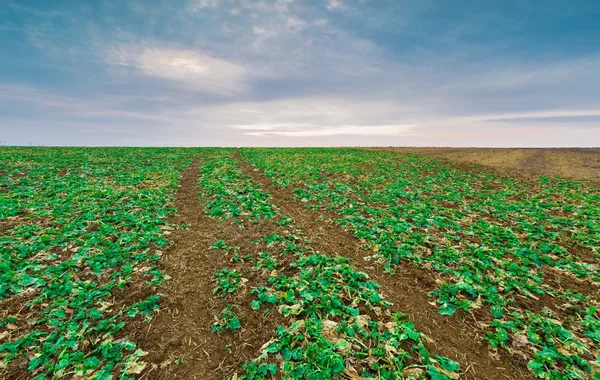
pixel 563 280
pixel 8 224
pixel 584 254
pixel 572 163
pixel 457 337
pixel 534 164
pixel 21 219
pixel 182 329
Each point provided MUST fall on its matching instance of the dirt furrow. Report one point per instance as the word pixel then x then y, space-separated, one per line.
pixel 179 340
pixel 457 337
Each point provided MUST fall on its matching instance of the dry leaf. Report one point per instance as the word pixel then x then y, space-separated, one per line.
pixel 520 341
pixel 415 372
pixel 136 368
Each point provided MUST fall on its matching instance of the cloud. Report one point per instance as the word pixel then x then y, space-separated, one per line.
pixel 518 75
pixel 32 10
pixel 590 120
pixel 335 4
pixel 567 115
pixel 247 71
pixel 108 119
pixel 295 24
pixel 185 67
pixel 317 130
pixel 65 108
pixel 310 117
pixel 197 5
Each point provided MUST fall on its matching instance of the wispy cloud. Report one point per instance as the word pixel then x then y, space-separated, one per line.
pixel 335 4
pixel 316 130
pixel 185 67
pixel 33 10
pixel 197 5
pixel 592 121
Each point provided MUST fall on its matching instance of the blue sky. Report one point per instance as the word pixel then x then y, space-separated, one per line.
pixel 291 72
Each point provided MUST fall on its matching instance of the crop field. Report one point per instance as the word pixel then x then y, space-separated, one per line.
pixel 303 263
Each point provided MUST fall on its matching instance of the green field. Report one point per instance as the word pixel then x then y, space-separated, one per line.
pixel 294 263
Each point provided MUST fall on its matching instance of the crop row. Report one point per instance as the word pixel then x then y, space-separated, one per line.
pixel 336 323
pixel 491 240
pixel 81 229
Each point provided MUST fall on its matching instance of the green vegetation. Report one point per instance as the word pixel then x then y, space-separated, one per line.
pixel 82 232
pixel 491 240
pixel 226 320
pixel 232 194
pixel 228 281
pixel 80 229
pixel 337 322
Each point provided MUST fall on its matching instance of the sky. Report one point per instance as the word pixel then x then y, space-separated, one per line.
pixel 300 73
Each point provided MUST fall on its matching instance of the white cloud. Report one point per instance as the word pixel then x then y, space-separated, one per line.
pixel 509 116
pixel 263 33
pixel 308 130
pixel 335 4
pixel 309 117
pixel 185 67
pixel 535 115
pixel 295 24
pixel 196 5
pixel 108 118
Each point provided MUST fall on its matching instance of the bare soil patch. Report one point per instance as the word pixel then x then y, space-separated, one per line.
pixel 573 163
pixel 535 163
pixel 584 254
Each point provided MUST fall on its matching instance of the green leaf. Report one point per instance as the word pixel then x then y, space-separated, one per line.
pixel 35 362
pixel 234 324
pixel 91 362
pixel 448 364
pixel 447 309
pixel 271 369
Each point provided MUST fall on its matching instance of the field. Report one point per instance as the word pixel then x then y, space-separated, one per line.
pixel 213 263
pixel 572 163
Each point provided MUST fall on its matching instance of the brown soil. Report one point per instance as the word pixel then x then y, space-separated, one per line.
pixel 457 336
pixel 574 163
pixel 563 280
pixel 22 219
pixel 8 224
pixel 182 329
pixel 585 254
pixel 534 164
pixel 15 307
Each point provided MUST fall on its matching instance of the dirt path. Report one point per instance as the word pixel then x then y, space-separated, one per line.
pixel 182 328
pixel 456 336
